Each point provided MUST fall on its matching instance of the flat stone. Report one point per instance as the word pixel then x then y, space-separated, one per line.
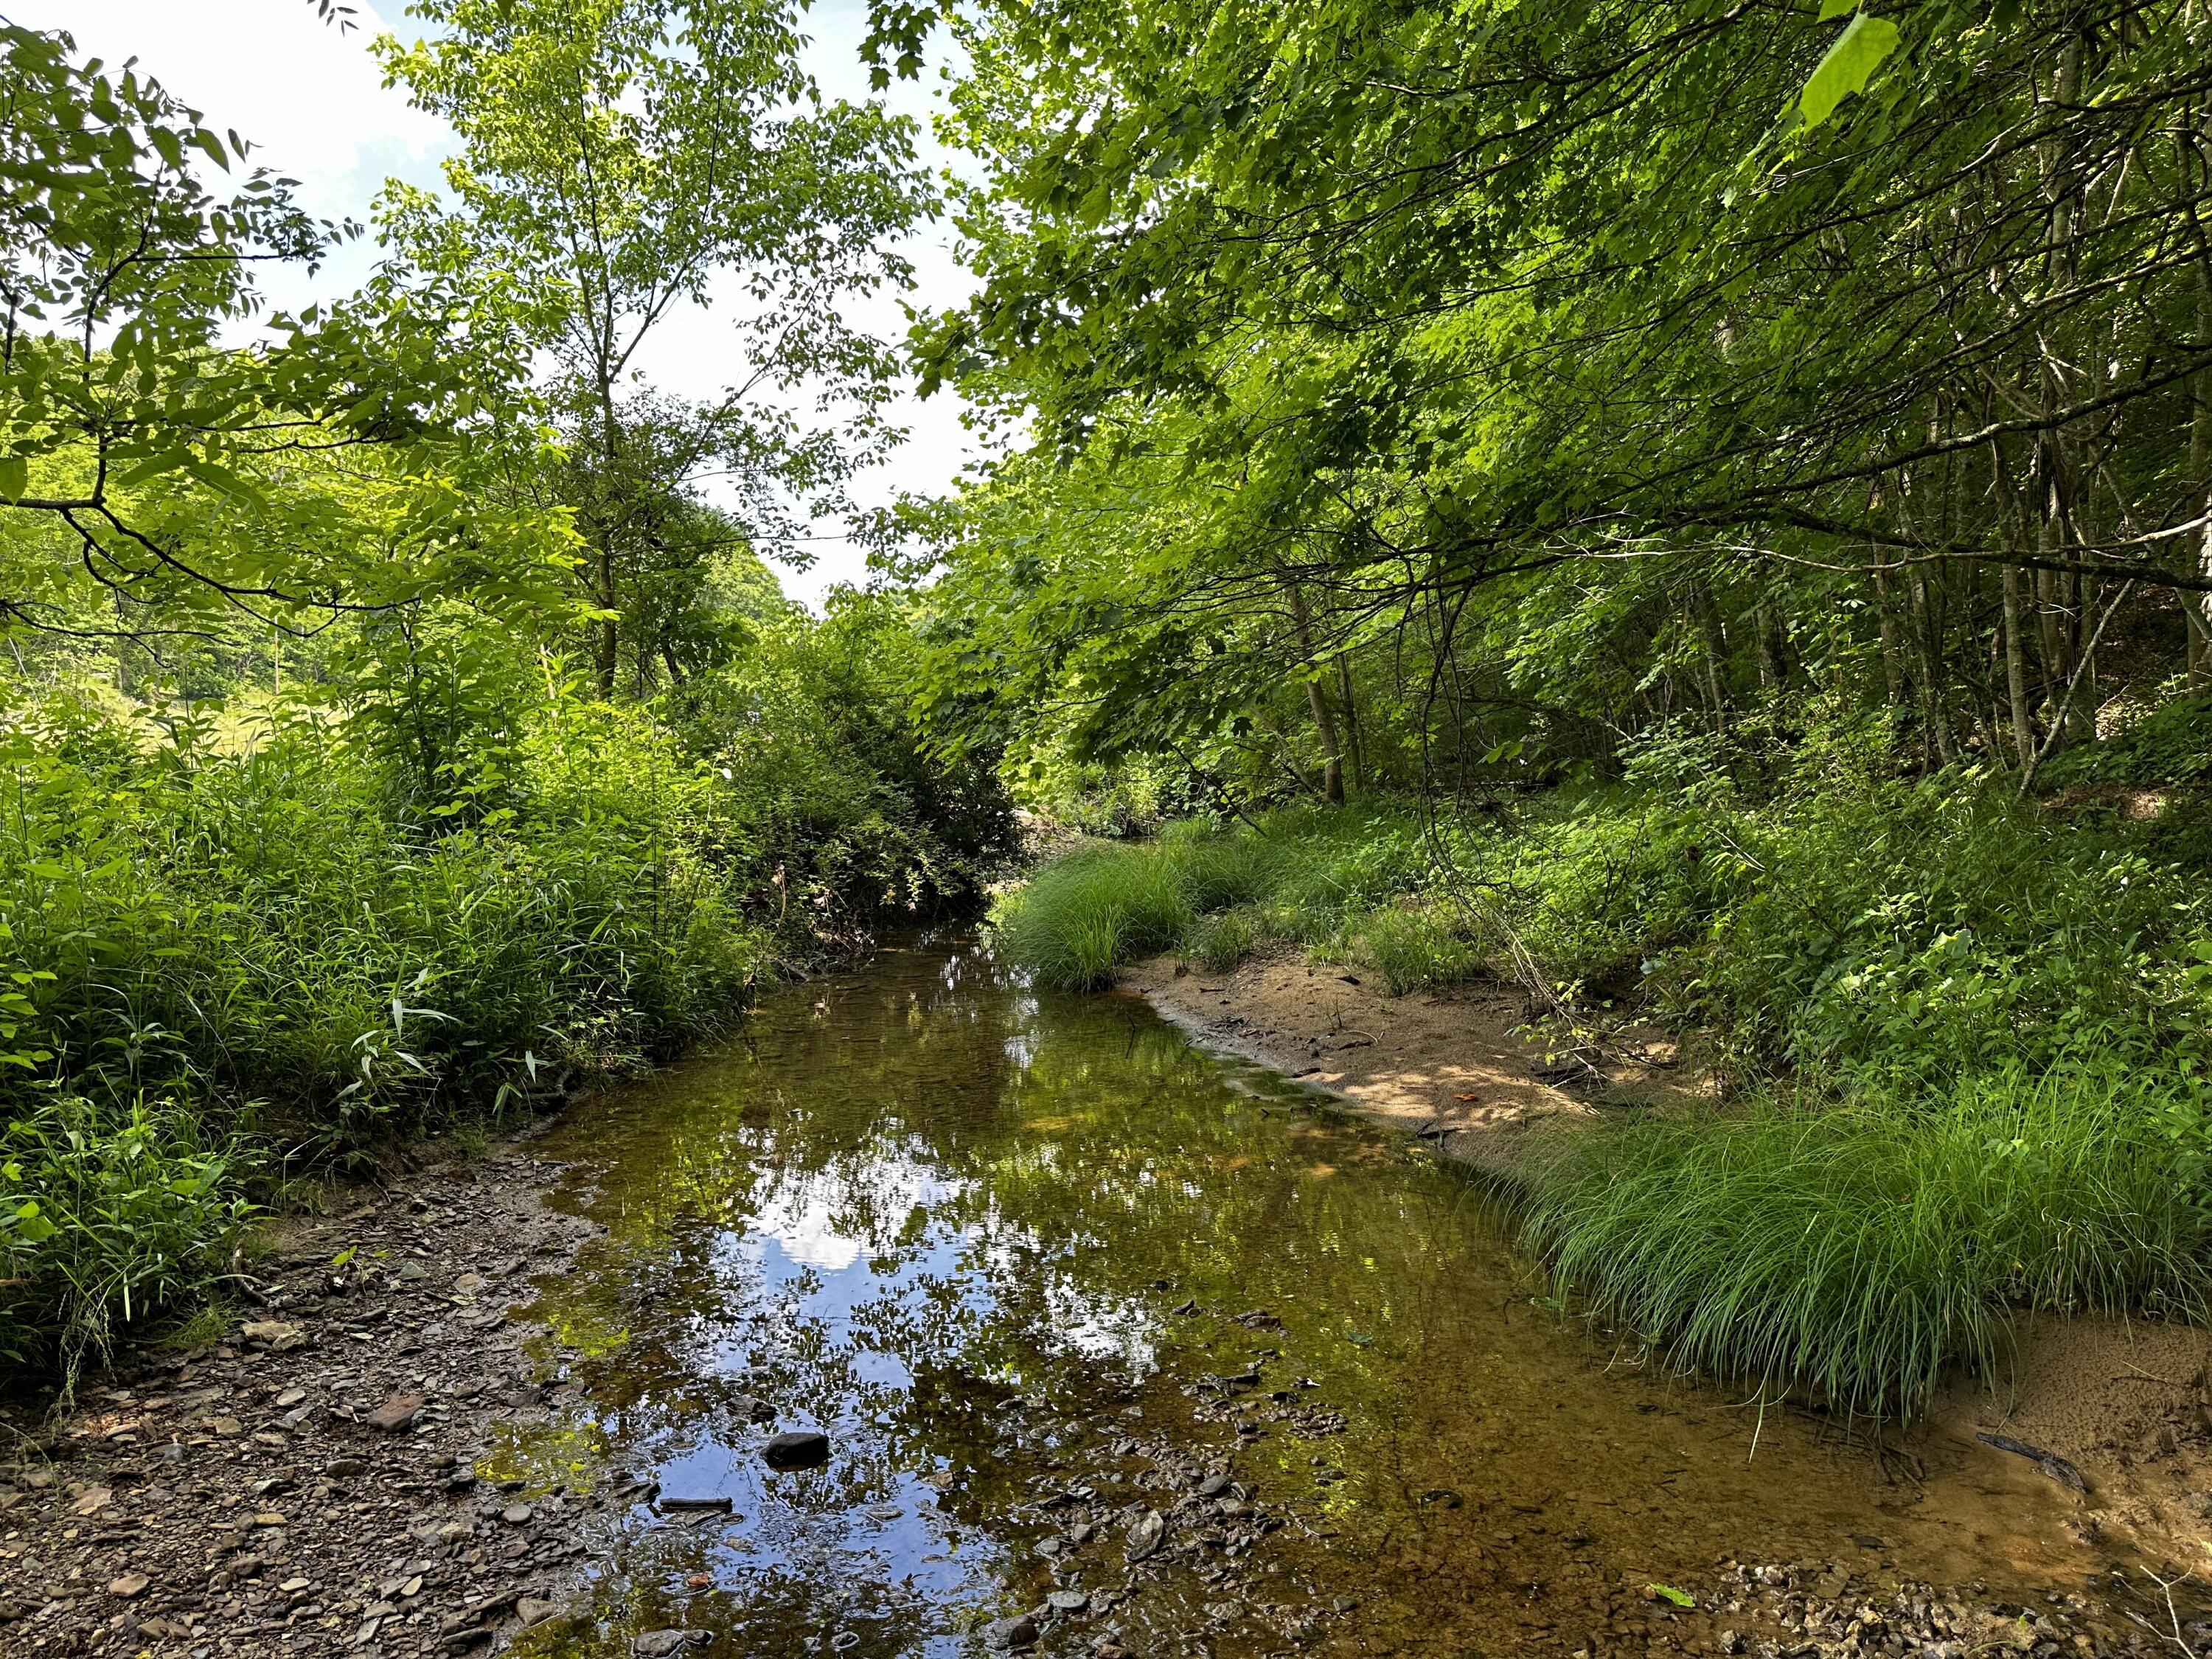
pixel 1145 1533
pixel 659 1643
pixel 1068 1600
pixel 289 1398
pixel 92 1500
pixel 1007 1634
pixel 797 1449
pixel 397 1413
pixel 130 1586
pixel 532 1610
pixel 517 1515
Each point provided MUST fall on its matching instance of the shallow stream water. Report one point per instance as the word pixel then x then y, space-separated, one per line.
pixel 1044 1271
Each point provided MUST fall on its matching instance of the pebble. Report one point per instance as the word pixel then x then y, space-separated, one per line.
pixel 659 1643
pixel 1068 1600
pixel 1008 1634
pixel 130 1587
pixel 517 1515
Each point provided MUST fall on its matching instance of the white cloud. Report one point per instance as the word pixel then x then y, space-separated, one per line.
pixel 312 101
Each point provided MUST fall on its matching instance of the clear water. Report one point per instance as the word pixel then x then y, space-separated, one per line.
pixel 951 1220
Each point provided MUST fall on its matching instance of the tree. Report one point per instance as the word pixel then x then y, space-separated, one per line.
pixel 619 156
pixel 144 445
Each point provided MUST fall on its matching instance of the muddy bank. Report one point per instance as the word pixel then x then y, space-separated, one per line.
pixel 2125 1404
pixel 307 1483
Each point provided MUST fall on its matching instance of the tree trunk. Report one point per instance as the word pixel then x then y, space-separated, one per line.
pixel 1893 655
pixel 1927 635
pixel 1332 770
pixel 1351 723
pixel 1715 638
pixel 1773 647
pixel 2016 653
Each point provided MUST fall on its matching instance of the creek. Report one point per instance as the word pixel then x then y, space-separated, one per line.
pixel 1062 1290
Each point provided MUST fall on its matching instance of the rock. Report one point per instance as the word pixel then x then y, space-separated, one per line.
pixel 130 1587
pixel 341 1468
pixel 470 1284
pixel 797 1449
pixel 412 1273
pixel 289 1398
pixel 1145 1533
pixel 721 1503
pixel 1213 1485
pixel 92 1500
pixel 517 1515
pixel 1006 1635
pixel 532 1610
pixel 1068 1600
pixel 750 1408
pixel 659 1643
pixel 1730 1642
pixel 1223 1612
pixel 397 1414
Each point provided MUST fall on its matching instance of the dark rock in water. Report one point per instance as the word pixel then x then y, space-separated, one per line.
pixel 750 1408
pixel 1068 1600
pixel 797 1449
pixel 2050 1462
pixel 660 1643
pixel 721 1503
pixel 1006 1635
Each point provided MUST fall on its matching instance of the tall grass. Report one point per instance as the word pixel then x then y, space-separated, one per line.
pixel 1858 1249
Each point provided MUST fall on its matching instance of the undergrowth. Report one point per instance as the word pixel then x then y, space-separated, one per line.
pixel 1967 1039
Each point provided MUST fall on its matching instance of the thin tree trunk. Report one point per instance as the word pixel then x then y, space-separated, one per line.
pixel 1773 647
pixel 1332 771
pixel 1351 723
pixel 1893 655
pixel 2015 655
pixel 1927 637
pixel 1714 635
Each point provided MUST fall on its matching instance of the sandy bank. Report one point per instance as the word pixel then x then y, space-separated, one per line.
pixel 2127 1404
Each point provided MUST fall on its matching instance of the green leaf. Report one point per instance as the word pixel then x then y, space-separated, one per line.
pixel 14 475
pixel 1669 1593
pixel 1850 62
pixel 1830 9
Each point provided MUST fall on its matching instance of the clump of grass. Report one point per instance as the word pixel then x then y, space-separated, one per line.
pixel 1085 914
pixel 1415 948
pixel 1859 1251
pixel 1218 943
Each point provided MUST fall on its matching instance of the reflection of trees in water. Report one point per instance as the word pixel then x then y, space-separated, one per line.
pixel 990 1181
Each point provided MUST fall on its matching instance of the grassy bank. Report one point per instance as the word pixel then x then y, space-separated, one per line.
pixel 239 957
pixel 1963 1040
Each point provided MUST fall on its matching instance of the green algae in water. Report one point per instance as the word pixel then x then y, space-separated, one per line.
pixel 1041 1271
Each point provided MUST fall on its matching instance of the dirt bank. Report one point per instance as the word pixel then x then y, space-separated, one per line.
pixel 305 1484
pixel 1454 1065
pixel 2126 1405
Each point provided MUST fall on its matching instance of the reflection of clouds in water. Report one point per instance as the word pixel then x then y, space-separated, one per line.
pixel 804 1228
pixel 808 1220
pixel 1021 1050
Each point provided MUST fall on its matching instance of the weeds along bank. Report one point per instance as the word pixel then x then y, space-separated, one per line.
pixel 234 963
pixel 1964 1040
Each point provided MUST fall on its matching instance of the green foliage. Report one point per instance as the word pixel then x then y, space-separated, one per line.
pixel 1860 1249
pixel 109 1214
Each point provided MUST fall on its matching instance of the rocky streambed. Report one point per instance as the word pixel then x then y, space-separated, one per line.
pixel 941 1316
